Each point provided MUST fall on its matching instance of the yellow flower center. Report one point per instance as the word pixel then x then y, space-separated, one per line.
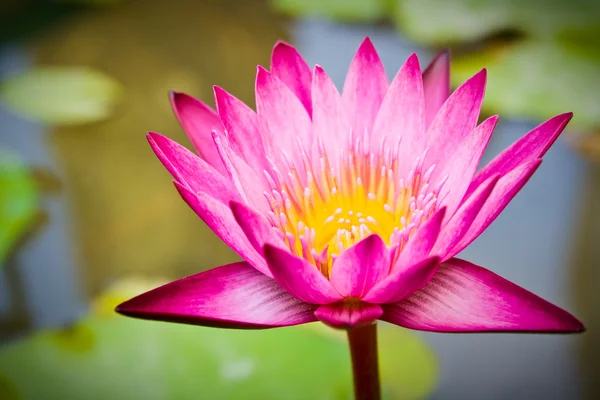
pixel 322 209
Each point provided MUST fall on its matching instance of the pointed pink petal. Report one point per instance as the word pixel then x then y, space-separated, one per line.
pixel 232 296
pixel 455 120
pixel 413 268
pixel 347 315
pixel 300 278
pixel 289 67
pixel 330 121
pixel 403 282
pixel 421 242
pixel 250 185
pixel 219 218
pixel 402 115
pixel 505 190
pixel 365 87
pixel 243 129
pixel 257 228
pixel 460 165
pixel 284 120
pixel 461 221
pixel 530 147
pixel 436 84
pixel 198 121
pixel 361 266
pixel 463 297
pixel 190 170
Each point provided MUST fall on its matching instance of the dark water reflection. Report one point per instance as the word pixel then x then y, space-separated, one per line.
pixel 117 214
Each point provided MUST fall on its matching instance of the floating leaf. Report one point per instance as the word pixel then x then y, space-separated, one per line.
pixel 549 67
pixel 452 21
pixel 61 95
pixel 104 357
pixel 538 79
pixel 345 10
pixel 18 202
pixel 8 389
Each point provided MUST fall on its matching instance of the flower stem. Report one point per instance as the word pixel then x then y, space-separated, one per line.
pixel 365 366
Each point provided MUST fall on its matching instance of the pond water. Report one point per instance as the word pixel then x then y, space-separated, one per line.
pixel 116 213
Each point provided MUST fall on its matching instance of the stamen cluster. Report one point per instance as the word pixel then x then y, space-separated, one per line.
pixel 323 207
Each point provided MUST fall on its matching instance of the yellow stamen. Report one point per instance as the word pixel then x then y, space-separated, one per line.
pixel 322 210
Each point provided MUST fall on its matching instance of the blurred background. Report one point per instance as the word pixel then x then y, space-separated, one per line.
pixel 89 217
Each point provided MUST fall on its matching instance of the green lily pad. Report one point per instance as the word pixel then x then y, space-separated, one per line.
pixel 538 79
pixel 18 202
pixel 551 68
pixel 103 357
pixel 345 10
pixel 61 95
pixel 452 21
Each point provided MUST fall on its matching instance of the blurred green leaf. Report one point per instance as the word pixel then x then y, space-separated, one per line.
pixel 409 366
pixel 550 67
pixel 18 202
pixel 61 95
pixel 104 357
pixel 451 21
pixel 345 10
pixel 538 79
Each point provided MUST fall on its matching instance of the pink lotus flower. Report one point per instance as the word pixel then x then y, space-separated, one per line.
pixel 349 208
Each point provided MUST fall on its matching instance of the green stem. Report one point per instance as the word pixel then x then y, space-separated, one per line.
pixel 365 366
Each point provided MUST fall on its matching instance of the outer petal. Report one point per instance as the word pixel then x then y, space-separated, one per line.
pixel 348 314
pixel 365 87
pixel 530 147
pixel 456 119
pixel 232 296
pixel 243 129
pixel 330 122
pixel 257 228
pixel 436 84
pixel 463 297
pixel 505 190
pixel 284 121
pixel 289 66
pixel 402 115
pixel 361 266
pixel 190 170
pixel 460 165
pixel 461 221
pixel 218 217
pixel 198 121
pixel 299 277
